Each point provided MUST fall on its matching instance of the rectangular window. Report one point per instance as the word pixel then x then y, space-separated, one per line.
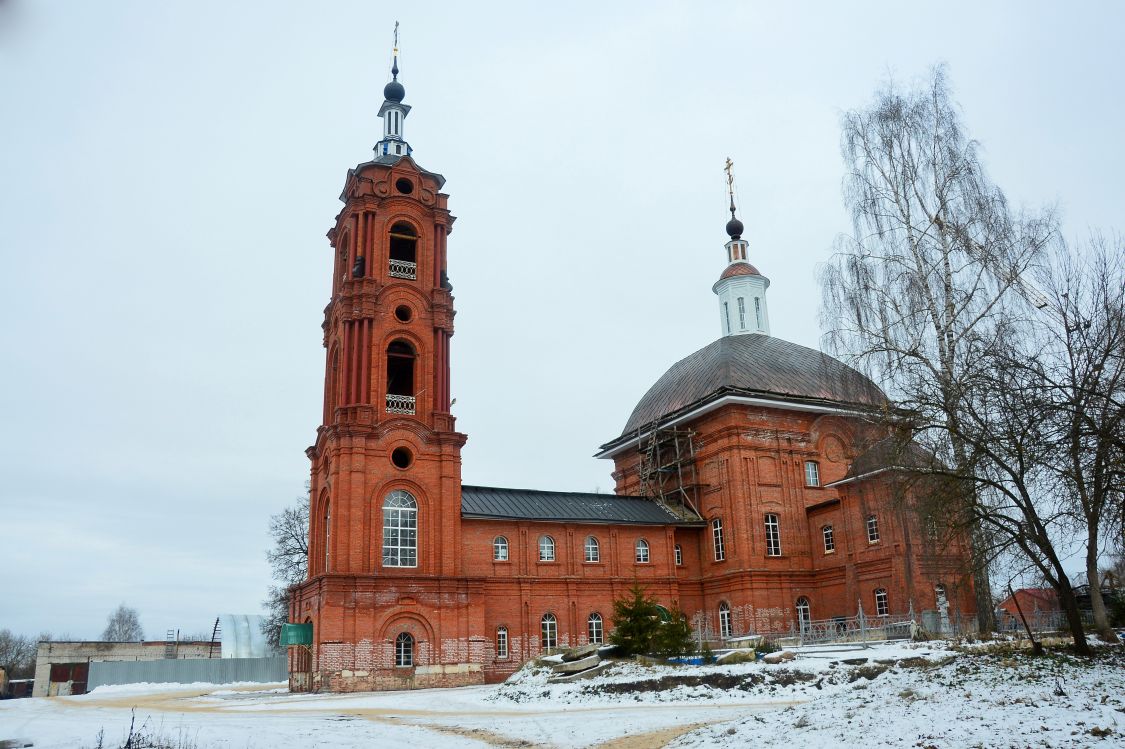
pixel 872 529
pixel 717 538
pixel 812 473
pixel 881 607
pixel 741 313
pixel 829 540
pixel 502 642
pixel 758 312
pixel 773 536
pixel 726 316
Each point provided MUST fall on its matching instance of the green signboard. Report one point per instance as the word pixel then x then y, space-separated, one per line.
pixel 295 634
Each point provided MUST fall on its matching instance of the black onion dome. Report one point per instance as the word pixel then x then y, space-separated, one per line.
pixel 394 91
pixel 735 228
pixel 756 365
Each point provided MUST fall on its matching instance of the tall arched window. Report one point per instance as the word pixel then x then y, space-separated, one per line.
pixel 400 530
pixel 501 642
pixel 679 555
pixel 331 395
pixel 724 620
pixel 549 632
pixel 400 378
pixel 403 255
pixel 327 535
pixel 804 614
pixel 592 549
pixel 642 555
pixel 404 650
pixel 594 628
pixel 882 608
pixel 546 549
pixel 717 539
pixel 500 549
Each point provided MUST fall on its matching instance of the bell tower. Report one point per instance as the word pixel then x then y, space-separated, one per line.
pixel 385 489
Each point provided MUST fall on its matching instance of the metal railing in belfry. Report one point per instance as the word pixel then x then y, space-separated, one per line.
pixel 400 404
pixel 403 269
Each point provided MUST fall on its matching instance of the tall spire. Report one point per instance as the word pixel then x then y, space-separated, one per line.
pixel 393 112
pixel 741 288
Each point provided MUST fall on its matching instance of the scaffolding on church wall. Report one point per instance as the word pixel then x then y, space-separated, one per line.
pixel 667 470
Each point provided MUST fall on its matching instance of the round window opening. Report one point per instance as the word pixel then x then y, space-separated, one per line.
pixel 404 186
pixel 403 313
pixel 401 457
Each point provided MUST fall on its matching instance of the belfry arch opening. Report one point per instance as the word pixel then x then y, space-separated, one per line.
pixel 403 251
pixel 400 377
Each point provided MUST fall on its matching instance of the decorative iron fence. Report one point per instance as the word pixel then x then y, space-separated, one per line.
pixel 403 269
pixel 400 404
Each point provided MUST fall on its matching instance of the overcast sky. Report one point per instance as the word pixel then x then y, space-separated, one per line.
pixel 168 171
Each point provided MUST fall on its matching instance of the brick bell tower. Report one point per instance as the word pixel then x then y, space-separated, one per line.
pixel 385 492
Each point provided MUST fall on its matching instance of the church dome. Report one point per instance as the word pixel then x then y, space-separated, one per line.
pixel 394 91
pixel 739 269
pixel 753 365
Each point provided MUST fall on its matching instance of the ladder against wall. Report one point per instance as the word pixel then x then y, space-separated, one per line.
pixel 216 649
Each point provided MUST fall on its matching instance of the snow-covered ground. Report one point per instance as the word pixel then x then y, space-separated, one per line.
pixel 923 695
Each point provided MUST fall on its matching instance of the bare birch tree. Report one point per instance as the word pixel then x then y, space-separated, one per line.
pixel 920 292
pixel 123 625
pixel 289 563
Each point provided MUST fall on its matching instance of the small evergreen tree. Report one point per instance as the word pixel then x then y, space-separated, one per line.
pixel 636 620
pixel 673 638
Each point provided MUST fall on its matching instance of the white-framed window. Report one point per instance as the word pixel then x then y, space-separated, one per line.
pixel 758 311
pixel 404 650
pixel 741 313
pixel 804 614
pixel 642 556
pixel 773 535
pixel 592 549
pixel 882 608
pixel 500 549
pixel 812 473
pixel 717 539
pixel 829 540
pixel 400 530
pixel 501 642
pixel 679 555
pixel 726 316
pixel 549 632
pixel 595 629
pixel 546 549
pixel 724 620
pixel 872 529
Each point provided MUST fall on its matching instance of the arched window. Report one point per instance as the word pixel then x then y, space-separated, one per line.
pixel 642 555
pixel 872 529
pixel 331 395
pixel 724 620
pixel 400 378
pixel 594 630
pixel 592 549
pixel 501 642
pixel 881 606
pixel 500 549
pixel 327 535
pixel 804 614
pixel 400 530
pixel 549 632
pixel 812 473
pixel 404 650
pixel 403 255
pixel 679 555
pixel 829 539
pixel 741 313
pixel 546 549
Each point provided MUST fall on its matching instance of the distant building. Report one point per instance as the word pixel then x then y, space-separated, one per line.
pixel 63 668
pixel 1031 601
pixel 749 495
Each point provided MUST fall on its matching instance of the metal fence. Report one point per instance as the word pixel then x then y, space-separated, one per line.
pixel 187 671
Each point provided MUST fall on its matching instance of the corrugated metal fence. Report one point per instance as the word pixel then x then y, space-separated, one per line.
pixel 188 670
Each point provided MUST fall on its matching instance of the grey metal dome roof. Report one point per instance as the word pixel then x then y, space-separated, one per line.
pixel 753 365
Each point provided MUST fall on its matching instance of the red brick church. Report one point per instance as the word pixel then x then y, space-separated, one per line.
pixel 745 493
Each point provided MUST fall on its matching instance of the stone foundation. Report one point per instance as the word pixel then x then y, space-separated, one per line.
pixel 388 679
